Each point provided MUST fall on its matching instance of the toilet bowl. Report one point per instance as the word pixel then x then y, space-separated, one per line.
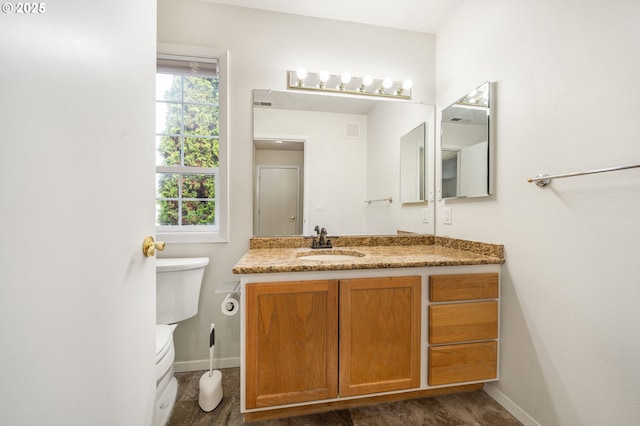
pixel 178 282
pixel 166 383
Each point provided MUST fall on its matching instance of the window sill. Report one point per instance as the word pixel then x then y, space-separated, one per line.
pixel 190 237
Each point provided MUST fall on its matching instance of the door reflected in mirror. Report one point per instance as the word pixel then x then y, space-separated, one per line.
pixel 346 151
pixel 466 146
pixel 278 186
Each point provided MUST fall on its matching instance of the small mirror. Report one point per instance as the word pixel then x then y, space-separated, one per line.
pixel 467 146
pixel 412 165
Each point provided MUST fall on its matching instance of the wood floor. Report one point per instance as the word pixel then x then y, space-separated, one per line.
pixel 466 409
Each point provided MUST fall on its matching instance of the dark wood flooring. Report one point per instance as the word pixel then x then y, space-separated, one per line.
pixel 464 409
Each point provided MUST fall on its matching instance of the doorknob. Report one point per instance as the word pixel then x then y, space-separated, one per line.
pixel 292 218
pixel 149 246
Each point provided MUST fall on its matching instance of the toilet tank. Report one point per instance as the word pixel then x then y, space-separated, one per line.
pixel 178 282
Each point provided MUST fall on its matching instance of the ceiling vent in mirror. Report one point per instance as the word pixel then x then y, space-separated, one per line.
pixel 352 130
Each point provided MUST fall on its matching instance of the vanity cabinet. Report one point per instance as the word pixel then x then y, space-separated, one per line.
pixel 463 328
pixel 291 342
pixel 304 343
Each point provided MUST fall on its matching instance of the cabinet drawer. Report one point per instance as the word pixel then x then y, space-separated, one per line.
pixel 463 322
pixel 463 363
pixel 444 288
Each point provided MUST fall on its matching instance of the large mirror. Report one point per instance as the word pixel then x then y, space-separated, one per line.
pixel 466 146
pixel 354 165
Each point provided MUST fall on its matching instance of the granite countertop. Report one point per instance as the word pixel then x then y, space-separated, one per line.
pixel 287 254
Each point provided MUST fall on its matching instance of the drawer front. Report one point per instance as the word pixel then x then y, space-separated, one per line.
pixel 463 363
pixel 444 288
pixel 463 322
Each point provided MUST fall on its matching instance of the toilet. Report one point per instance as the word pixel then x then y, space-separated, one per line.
pixel 178 282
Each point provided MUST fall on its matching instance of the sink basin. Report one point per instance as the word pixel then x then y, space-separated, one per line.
pixel 333 255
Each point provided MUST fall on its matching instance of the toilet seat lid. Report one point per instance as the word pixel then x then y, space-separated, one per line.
pixel 164 338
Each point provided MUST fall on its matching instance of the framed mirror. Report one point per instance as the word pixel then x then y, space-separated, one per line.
pixel 335 161
pixel 467 146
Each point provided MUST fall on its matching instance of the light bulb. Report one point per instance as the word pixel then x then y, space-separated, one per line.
pixel 406 85
pixel 387 82
pixel 323 77
pixel 301 73
pixel 344 79
pixel 366 81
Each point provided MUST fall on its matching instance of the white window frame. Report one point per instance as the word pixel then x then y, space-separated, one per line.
pixel 202 235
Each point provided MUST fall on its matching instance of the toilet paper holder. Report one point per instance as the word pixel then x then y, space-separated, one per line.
pixel 231 303
pixel 229 287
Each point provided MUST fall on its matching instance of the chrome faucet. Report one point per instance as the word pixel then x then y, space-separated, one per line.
pixel 320 240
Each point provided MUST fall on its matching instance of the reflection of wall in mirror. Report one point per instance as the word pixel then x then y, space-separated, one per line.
pixel 388 121
pixel 474 170
pixel 412 164
pixel 465 160
pixel 460 135
pixel 335 170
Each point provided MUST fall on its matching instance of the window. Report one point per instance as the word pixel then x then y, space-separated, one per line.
pixel 188 161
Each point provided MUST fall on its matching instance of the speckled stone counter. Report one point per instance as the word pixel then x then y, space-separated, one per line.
pixel 289 254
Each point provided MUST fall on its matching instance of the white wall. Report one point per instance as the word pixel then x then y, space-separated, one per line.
pixel 262 47
pixel 566 76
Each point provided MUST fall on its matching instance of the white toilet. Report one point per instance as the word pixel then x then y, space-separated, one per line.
pixel 178 282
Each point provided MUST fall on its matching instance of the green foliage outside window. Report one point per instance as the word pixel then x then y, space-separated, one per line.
pixel 190 139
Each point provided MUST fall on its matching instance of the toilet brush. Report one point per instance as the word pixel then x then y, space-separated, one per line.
pixel 211 381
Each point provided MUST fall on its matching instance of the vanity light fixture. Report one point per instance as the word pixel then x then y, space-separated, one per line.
pixel 477 99
pixel 345 83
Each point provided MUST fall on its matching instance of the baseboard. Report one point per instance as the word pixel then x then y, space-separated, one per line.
pixel 203 364
pixel 509 405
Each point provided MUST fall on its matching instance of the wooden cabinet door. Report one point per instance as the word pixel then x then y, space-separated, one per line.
pixel 379 334
pixel 292 342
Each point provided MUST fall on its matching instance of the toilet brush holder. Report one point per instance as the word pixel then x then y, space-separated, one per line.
pixel 210 390
pixel 211 381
